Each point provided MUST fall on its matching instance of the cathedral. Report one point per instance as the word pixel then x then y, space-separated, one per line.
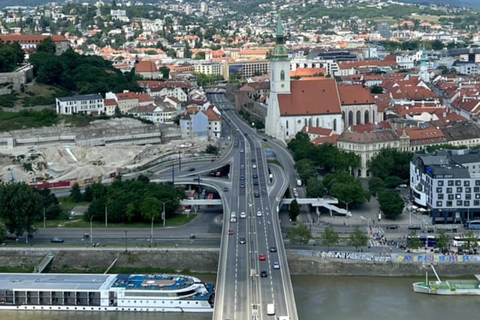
pixel 316 102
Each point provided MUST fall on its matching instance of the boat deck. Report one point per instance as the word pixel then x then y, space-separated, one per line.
pixel 153 282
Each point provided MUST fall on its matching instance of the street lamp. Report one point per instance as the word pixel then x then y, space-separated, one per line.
pixel 179 161
pixel 164 218
pixel 126 248
pixel 91 229
pixel 44 218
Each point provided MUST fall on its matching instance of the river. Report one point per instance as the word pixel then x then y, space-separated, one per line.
pixel 319 298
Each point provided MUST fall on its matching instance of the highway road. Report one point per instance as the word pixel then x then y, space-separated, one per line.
pixel 242 293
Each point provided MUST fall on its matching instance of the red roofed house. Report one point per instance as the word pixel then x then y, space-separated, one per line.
pixel 110 105
pixel 214 123
pixel 126 100
pixel 31 41
pixel 147 69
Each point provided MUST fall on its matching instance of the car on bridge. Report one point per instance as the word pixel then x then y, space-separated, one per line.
pixel 242 241
pixel 230 232
pixel 254 166
pixel 242 186
pixel 273 249
pixel 242 167
pixel 225 189
pixel 255 183
pixel 276 265
pixel 191 169
pixel 261 257
pixel 259 213
pixel 242 177
pixel 255 176
pixel 257 195
pixel 243 215
pixel 263 274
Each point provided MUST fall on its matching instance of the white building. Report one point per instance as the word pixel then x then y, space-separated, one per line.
pixel 87 104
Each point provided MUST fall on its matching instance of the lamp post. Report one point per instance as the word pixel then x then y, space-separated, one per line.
pixel 91 229
pixel 106 216
pixel 164 218
pixel 179 160
pixel 126 248
pixel 44 218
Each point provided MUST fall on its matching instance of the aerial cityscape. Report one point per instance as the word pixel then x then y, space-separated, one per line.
pixel 292 159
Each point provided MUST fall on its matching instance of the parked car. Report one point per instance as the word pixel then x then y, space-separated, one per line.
pixel 57 240
pixel 414 227
pixel 392 227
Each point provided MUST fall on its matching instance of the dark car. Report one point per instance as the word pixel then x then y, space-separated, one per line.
pixel 253 160
pixel 242 241
pixel 191 169
pixel 255 176
pixel 242 177
pixel 273 249
pixel 255 183
pixel 57 240
pixel 263 274
pixel 242 186
pixel 257 195
pixel 392 227
pixel 225 189
pixel 230 232
pixel 415 227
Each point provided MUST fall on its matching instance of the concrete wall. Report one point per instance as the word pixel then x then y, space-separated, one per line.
pixel 206 261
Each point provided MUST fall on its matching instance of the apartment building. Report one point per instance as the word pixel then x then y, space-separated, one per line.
pixel 87 104
pixel 447 183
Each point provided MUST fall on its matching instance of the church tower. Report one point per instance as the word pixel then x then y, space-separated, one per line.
pixel 279 84
pixel 280 64
pixel 423 74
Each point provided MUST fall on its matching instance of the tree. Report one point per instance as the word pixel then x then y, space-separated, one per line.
pixel 47 45
pixel 358 238
pixel 349 193
pixel 391 204
pixel 143 178
pixel 306 169
pixel 21 206
pixel 375 185
pixel 212 149
pixel 200 56
pixel 471 241
pixel 391 182
pixel 299 234
pixel 443 240
pixel 50 204
pixel 391 162
pixel 412 241
pixel 76 193
pixel 88 194
pixel 315 188
pixel 165 71
pixel 330 237
pixel 294 210
pixel 437 45
pixel 151 209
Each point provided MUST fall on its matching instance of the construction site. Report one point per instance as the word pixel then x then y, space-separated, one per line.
pixel 93 153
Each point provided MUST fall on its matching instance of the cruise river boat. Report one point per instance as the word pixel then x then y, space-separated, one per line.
pixel 105 292
pixel 448 287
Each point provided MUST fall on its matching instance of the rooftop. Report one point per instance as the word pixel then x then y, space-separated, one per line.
pixel 67 282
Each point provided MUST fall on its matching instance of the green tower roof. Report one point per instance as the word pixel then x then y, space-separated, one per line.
pixel 280 51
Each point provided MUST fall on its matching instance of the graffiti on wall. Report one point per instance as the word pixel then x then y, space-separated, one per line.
pixel 395 257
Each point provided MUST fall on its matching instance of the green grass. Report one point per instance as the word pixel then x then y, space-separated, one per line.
pixel 42 95
pixel 18 269
pixel 174 221
pixel 8 100
pixel 275 162
pixel 67 203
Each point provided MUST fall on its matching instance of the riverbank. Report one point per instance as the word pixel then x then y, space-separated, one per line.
pixel 185 260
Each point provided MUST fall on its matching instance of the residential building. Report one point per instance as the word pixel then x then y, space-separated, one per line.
pixel 246 68
pixel 125 101
pixel 86 104
pixel 368 144
pixel 214 123
pixel 147 69
pixel 447 184
pixel 31 41
pixel 208 68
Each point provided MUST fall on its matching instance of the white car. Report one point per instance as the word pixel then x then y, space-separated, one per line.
pixel 254 166
pixel 243 215
pixel 276 265
pixel 259 213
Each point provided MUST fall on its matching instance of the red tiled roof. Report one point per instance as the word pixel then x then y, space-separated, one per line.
pixel 369 127
pixel 307 72
pixel 126 96
pixel 423 135
pixel 146 66
pixel 356 94
pixel 110 102
pixel 318 96
pixel 29 38
pixel 144 97
pixel 317 130
pixel 212 116
pixel 322 140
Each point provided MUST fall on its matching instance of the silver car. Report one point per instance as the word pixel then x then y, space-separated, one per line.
pixel 259 213
pixel 276 265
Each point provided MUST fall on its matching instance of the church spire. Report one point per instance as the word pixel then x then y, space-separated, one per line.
pixel 280 37
pixel 280 51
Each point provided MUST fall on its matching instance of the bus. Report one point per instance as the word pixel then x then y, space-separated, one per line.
pixel 473 225
pixel 425 241
pixel 460 241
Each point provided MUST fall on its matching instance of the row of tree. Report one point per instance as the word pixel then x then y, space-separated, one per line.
pixel 11 55
pixel 126 201
pixel 302 235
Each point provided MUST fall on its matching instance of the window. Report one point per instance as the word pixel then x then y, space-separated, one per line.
pixel 449 190
pixel 449 203
pixel 282 75
pixel 458 196
pixel 459 189
pixel 440 196
pixel 287 124
pixel 439 190
pixel 439 203
pixel 459 203
pixel 476 189
pixel 477 196
pixel 468 190
pixel 458 182
pixel 476 202
pixel 466 183
pixel 440 183
pixel 450 183
pixel 466 203
pixel 450 197
pixel 334 124
pixel 468 196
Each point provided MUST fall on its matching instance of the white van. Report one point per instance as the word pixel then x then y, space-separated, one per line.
pixel 270 309
pixel 233 217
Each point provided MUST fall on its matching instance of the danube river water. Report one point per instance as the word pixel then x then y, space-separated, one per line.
pixel 320 298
